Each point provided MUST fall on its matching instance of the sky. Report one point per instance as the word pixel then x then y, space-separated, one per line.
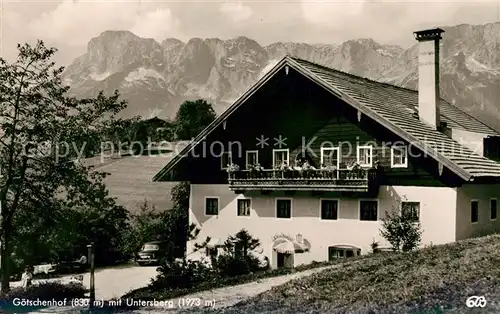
pixel 70 24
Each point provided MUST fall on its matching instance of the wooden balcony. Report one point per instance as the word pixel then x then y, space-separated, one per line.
pixel 342 180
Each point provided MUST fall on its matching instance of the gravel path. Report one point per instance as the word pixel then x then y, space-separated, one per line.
pixel 112 282
pixel 109 283
pixel 116 282
pixel 227 296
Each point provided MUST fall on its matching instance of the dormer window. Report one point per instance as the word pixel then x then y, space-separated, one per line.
pixel 365 156
pixel 399 156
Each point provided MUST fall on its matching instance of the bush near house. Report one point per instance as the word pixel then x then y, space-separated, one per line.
pixel 430 280
pixel 45 291
pixel 236 259
pixel 236 265
pixel 401 228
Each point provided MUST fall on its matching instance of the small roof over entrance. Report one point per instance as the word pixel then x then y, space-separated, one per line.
pixel 287 246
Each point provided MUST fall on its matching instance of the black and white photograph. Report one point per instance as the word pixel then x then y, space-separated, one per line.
pixel 260 156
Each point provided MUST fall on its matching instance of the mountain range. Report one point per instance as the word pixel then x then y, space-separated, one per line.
pixel 155 78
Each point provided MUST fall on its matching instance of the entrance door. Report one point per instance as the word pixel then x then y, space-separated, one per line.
pixel 281 260
pixel 284 260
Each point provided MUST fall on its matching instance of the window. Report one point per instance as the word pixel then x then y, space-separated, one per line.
pixel 399 157
pixel 225 160
pixel 365 156
pixel 280 156
pixel 330 156
pixel 474 211
pixel 335 252
pixel 329 209
pixel 150 247
pixel 244 207
pixel 252 158
pixel 211 206
pixel 283 208
pixel 368 210
pixel 411 210
pixel 493 209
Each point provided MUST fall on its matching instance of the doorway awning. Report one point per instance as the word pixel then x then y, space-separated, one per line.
pixel 285 246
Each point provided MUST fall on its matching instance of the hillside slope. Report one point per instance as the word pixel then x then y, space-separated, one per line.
pixel 432 280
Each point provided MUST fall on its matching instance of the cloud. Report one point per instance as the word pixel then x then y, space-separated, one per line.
pixel 156 24
pixel 331 13
pixel 236 11
pixel 393 20
pixel 348 12
pixel 75 22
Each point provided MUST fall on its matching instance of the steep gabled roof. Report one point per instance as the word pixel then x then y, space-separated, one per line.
pixel 389 105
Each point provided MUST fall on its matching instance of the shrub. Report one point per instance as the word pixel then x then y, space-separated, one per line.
pixel 402 229
pixel 230 266
pixel 183 274
pixel 238 258
pixel 375 247
pixel 45 291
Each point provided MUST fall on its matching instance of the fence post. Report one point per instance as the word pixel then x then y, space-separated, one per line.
pixel 91 262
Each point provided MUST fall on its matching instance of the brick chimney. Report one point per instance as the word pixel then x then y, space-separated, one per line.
pixel 428 76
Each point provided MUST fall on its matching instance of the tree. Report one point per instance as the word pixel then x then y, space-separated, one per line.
pixel 192 117
pixel 145 225
pixel 176 221
pixel 402 229
pixel 39 128
pixel 242 243
pixel 237 258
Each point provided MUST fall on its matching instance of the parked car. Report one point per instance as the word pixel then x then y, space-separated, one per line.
pixel 72 266
pixel 150 253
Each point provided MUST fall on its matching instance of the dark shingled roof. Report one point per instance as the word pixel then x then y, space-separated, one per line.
pixel 391 106
pixel 384 95
pixel 396 105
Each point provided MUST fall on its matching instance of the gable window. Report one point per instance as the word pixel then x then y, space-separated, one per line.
pixel 244 207
pixel 330 156
pixel 368 210
pixel 399 157
pixel 365 156
pixel 225 160
pixel 283 208
pixel 252 158
pixel 493 208
pixel 211 206
pixel 474 211
pixel 329 209
pixel 411 210
pixel 280 157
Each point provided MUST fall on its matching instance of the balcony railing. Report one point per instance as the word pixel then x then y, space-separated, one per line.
pixel 342 180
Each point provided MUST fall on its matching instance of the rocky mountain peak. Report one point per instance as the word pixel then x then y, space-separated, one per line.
pixel 171 42
pixel 157 77
pixel 112 51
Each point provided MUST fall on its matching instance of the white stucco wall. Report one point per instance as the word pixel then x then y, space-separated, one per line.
pixel 438 209
pixel 482 193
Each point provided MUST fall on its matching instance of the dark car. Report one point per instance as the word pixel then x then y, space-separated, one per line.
pixel 150 253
